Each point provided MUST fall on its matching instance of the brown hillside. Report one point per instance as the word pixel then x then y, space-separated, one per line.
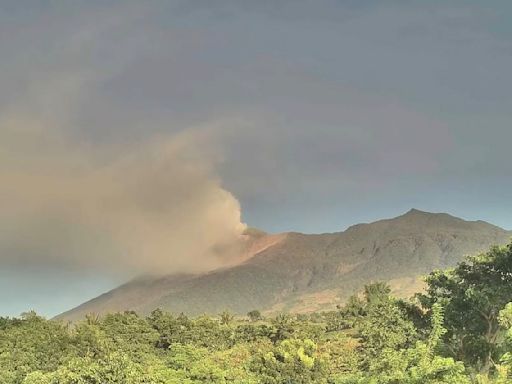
pixel 299 272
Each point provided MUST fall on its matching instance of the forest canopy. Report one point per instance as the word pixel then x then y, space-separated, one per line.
pixel 458 331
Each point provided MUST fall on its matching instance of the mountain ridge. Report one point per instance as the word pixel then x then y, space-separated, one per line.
pixel 298 272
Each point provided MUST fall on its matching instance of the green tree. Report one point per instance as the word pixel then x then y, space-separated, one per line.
pixel 226 318
pixel 283 327
pixel 473 293
pixel 254 315
pixel 29 344
pixel 503 371
pixel 415 365
pixel 291 361
pixel 376 293
pixel 129 332
pixel 169 328
pixel 385 326
pixel 342 355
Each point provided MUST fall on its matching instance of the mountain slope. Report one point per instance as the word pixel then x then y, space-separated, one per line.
pixel 298 272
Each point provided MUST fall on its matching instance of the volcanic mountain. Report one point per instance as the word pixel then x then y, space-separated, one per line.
pixel 300 272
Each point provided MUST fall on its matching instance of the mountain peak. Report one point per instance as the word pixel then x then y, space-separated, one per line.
pixel 414 211
pixel 415 217
pixel 294 272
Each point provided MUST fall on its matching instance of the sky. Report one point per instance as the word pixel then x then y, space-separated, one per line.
pixel 145 136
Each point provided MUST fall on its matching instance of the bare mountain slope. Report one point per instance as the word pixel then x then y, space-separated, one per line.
pixel 298 272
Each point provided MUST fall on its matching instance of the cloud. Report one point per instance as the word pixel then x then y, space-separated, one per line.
pixel 335 101
pixel 148 206
pixel 118 143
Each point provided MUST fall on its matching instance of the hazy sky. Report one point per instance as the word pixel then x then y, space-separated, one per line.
pixel 135 134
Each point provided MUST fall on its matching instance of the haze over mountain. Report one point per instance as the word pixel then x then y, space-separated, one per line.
pixel 130 131
pixel 299 272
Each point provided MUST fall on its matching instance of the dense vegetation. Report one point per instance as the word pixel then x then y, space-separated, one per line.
pixel 459 331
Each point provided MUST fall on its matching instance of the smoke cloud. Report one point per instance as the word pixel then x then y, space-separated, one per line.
pixel 152 206
pixel 74 199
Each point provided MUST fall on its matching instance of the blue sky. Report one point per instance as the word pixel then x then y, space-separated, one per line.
pixel 313 115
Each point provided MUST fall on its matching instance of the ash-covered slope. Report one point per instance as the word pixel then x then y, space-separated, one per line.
pixel 298 272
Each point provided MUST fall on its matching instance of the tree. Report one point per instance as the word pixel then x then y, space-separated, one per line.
pixel 473 293
pixel 29 344
pixel 226 318
pixel 384 326
pixel 342 354
pixel 283 326
pixel 503 374
pixel 347 315
pixel 254 315
pixel 115 368
pixel 376 293
pixel 415 365
pixel 291 361
pixel 170 329
pixel 130 332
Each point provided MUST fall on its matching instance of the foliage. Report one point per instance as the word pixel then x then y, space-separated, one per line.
pixel 473 293
pixel 385 326
pixel 254 315
pixel 291 361
pixel 461 335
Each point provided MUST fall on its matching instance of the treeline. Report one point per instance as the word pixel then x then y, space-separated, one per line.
pixel 458 331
